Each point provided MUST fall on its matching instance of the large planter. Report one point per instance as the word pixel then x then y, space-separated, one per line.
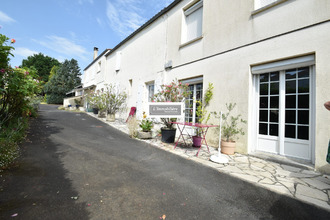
pixel 168 135
pixel 144 134
pixel 95 111
pixel 228 147
pixel 197 141
pixel 111 117
pixel 101 114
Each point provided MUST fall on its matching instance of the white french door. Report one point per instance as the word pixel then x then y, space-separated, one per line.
pixel 284 112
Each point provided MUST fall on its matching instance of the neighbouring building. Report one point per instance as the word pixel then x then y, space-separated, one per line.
pixel 271 57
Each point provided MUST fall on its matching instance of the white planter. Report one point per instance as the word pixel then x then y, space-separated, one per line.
pixel 144 135
pixel 111 117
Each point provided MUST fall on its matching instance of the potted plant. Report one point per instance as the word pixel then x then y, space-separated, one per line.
pixel 173 92
pixel 114 101
pixel 146 126
pixel 78 102
pixel 230 129
pixel 92 99
pixel 202 115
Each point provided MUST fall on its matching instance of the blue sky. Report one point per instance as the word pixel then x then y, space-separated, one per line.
pixel 65 29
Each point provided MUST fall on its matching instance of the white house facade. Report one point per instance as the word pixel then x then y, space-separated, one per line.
pixel 271 57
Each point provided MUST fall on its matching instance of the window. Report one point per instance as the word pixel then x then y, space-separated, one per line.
pixel 118 61
pixel 193 20
pixel 196 94
pixel 151 91
pixel 99 65
pixel 284 106
pixel 264 3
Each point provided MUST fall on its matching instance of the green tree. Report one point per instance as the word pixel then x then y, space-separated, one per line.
pixel 43 64
pixel 65 78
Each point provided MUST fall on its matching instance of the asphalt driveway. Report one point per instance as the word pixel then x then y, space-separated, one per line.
pixel 76 167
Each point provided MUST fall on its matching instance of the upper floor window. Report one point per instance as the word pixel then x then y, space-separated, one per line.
pixel 262 3
pixel 193 20
pixel 99 65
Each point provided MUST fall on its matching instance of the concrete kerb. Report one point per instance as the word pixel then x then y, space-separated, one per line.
pixel 297 181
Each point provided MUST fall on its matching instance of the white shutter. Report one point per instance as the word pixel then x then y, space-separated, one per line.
pixel 194 21
pixel 284 64
pixel 118 60
pixel 194 24
pixel 262 3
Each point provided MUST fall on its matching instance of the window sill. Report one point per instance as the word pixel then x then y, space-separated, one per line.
pixel 190 42
pixel 257 11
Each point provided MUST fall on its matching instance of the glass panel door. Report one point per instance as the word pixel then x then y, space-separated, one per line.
pixel 284 112
pixel 297 103
pixel 297 113
pixel 269 104
pixel 196 94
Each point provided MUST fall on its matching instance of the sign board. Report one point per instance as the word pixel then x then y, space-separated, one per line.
pixel 166 109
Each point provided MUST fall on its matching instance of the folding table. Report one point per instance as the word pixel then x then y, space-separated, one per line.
pixel 204 128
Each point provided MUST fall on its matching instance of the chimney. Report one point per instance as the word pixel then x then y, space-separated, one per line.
pixel 95 52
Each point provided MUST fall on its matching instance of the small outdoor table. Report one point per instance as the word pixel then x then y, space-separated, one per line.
pixel 204 129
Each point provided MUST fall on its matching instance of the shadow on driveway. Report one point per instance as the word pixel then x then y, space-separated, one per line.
pixel 37 187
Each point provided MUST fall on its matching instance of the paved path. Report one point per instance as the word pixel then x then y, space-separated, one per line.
pixel 294 180
pixel 76 167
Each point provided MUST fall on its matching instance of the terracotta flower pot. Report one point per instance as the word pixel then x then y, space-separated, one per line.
pixel 228 147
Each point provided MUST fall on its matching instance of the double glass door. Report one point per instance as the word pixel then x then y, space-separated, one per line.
pixel 284 112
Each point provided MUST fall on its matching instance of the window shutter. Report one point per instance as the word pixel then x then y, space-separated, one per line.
pixel 118 60
pixel 194 24
pixel 262 3
pixel 284 64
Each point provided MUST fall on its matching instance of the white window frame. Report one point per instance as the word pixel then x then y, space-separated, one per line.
pixel 99 66
pixel 194 82
pixel 118 61
pixel 150 86
pixel 260 5
pixel 189 11
pixel 297 62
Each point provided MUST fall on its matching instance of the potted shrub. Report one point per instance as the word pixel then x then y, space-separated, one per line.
pixel 101 105
pixel 146 126
pixel 114 101
pixel 92 99
pixel 173 92
pixel 202 115
pixel 230 129
pixel 78 102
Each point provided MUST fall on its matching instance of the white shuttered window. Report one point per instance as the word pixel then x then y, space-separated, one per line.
pixel 262 3
pixel 193 22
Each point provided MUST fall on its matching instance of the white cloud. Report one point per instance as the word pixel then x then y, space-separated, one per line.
pixel 125 16
pixel 83 1
pixel 65 47
pixel 5 18
pixel 24 52
pixel 99 21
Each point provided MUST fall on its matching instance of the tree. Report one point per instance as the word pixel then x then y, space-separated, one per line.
pixel 65 78
pixel 43 64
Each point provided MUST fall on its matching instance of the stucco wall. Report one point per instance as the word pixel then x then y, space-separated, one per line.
pixel 233 40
